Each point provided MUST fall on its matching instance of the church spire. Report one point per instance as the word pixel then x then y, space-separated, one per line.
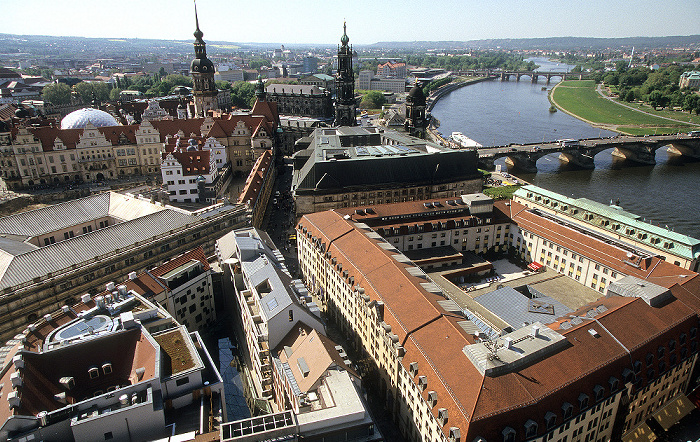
pixel 345 104
pixel 198 34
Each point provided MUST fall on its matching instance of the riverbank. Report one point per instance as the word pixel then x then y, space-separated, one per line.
pixel 585 101
pixel 440 92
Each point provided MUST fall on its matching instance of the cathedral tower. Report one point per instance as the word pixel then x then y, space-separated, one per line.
pixel 202 70
pixel 345 105
pixel 416 121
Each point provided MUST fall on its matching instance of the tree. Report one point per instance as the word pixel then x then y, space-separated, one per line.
pixel 242 94
pixel 576 68
pixel 372 100
pixel 57 93
pixel 655 99
pixel 161 72
pixel 86 91
pixel 114 94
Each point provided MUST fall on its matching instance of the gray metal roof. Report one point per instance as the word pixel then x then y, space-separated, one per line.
pixel 516 309
pixel 630 286
pixel 63 215
pixel 56 257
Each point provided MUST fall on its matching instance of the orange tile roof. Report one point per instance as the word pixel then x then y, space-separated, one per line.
pixel 481 405
pixel 254 182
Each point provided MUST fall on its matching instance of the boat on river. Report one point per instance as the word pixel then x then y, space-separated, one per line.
pixel 463 140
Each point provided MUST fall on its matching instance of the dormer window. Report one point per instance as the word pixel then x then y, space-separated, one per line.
pixel 582 401
pixel 567 409
pixel 508 434
pixel 599 392
pixel 613 383
pixel 550 420
pixel 93 372
pixel 530 428
pixel 107 368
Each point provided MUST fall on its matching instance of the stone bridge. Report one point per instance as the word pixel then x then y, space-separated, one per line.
pixel 533 75
pixel 639 150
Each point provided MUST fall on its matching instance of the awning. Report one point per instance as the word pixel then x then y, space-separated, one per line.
pixel 642 433
pixel 534 266
pixel 675 410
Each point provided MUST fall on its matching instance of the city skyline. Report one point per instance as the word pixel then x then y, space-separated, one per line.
pixel 309 22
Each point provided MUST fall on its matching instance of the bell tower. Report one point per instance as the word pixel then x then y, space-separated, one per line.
pixel 202 71
pixel 345 105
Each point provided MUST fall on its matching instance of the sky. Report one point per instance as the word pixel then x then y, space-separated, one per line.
pixel 368 21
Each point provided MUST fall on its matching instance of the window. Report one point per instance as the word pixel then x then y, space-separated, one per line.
pixel 530 428
pixel 583 401
pixel 291 315
pixel 550 420
pixel 568 409
pixel 182 381
pixel 508 434
pixel 108 435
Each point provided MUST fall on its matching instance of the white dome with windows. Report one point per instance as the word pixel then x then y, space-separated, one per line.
pixel 80 118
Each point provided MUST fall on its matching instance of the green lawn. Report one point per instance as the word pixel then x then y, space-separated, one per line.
pixel 583 100
pixel 500 193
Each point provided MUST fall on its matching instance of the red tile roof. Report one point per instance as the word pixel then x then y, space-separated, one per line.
pixel 256 178
pixel 481 405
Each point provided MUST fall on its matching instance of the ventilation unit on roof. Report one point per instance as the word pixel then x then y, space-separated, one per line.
pixel 13 399
pixel 86 298
pixel 109 286
pixel 432 397
pixel 47 317
pixel 442 415
pixel 16 379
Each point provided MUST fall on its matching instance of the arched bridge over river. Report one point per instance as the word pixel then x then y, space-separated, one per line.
pixel 641 150
pixel 532 75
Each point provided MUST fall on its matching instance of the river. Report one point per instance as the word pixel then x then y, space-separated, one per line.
pixel 502 112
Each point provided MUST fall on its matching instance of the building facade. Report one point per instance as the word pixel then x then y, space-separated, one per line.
pixel 197 172
pixel 366 80
pixel 612 220
pixel 689 79
pixel 49 155
pixel 111 367
pixel 269 302
pixel 301 100
pixel 350 167
pixel 183 287
pixel 90 241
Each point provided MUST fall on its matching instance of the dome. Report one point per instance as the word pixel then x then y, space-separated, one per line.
pixel 202 65
pixel 80 118
pixel 416 95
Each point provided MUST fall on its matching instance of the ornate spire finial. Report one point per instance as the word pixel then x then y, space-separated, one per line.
pixel 198 34
pixel 344 39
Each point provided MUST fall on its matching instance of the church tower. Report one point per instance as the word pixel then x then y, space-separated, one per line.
pixel 260 93
pixel 416 121
pixel 345 105
pixel 202 70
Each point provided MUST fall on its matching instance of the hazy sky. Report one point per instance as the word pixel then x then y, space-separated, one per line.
pixel 369 21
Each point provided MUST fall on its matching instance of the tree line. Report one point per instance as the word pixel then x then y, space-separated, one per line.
pixel 657 88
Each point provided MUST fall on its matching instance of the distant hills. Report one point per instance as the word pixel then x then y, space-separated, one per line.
pixel 552 43
pixel 93 48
